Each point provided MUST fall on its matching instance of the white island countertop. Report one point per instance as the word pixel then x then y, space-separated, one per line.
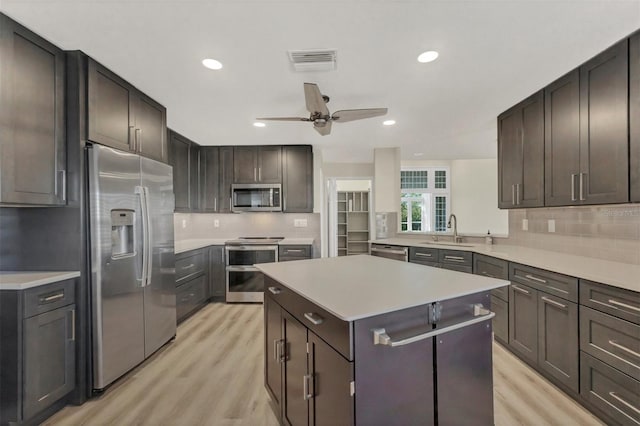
pixel 356 287
pixel 616 274
pixel 22 280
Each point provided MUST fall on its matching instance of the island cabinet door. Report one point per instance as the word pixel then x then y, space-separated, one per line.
pixel 394 385
pixel 331 401
pixel 295 400
pixel 273 351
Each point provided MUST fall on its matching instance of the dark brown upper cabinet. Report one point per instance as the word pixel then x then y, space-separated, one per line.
pixel 184 157
pixel 209 179
pixel 521 154
pixel 586 133
pixel 32 113
pixel 257 164
pixel 297 178
pixel 634 115
pixel 122 117
pixel 562 140
pixel 226 179
pixel 604 127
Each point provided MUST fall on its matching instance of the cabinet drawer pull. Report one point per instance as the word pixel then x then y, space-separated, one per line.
pixel 532 278
pixel 520 290
pixel 293 251
pixel 486 274
pixel 553 302
pixel 455 258
pixel 624 348
pixel 52 297
pixel 189 266
pixel 624 305
pixel 275 290
pixel 314 318
pixel 622 401
pixel 424 255
pixel 306 388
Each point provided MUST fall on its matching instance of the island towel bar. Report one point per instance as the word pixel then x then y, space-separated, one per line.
pixel 380 336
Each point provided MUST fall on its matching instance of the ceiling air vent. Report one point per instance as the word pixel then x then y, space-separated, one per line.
pixel 313 59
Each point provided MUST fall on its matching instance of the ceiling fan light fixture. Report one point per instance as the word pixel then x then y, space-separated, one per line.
pixel 259 124
pixel 428 56
pixel 389 122
pixel 212 64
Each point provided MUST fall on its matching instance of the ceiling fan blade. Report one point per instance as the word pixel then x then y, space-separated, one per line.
pixel 357 114
pixel 324 129
pixel 315 102
pixel 283 119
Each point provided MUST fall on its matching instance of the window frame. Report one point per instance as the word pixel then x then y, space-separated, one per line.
pixel 433 193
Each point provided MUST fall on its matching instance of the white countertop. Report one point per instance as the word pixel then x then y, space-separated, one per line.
pixel 617 274
pixel 355 287
pixel 21 280
pixel 180 246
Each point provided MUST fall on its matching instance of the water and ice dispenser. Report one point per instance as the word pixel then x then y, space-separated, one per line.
pixel 122 233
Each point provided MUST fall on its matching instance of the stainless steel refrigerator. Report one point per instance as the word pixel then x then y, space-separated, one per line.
pixel 131 206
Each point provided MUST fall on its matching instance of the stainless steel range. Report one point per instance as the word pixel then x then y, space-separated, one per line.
pixel 245 283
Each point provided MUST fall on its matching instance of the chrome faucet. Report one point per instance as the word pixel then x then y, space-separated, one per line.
pixel 456 238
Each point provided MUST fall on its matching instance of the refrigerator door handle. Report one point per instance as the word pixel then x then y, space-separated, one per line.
pixel 145 225
pixel 148 242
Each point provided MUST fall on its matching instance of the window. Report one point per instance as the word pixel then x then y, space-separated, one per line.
pixel 424 205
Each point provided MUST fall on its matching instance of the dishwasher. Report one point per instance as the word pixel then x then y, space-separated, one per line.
pixel 390 252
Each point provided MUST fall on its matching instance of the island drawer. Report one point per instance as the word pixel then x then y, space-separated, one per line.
pixel 423 255
pixel 286 253
pixel 38 300
pixel 619 302
pixel 550 282
pixel 188 265
pixel 331 329
pixel 610 339
pixel 457 258
pixel 609 390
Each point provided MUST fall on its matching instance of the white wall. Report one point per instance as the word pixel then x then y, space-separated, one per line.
pixel 347 170
pixel 353 185
pixel 386 162
pixel 474 197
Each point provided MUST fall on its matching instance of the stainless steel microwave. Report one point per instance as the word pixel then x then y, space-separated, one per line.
pixel 256 197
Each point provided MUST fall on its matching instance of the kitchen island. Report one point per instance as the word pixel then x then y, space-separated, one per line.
pixel 371 341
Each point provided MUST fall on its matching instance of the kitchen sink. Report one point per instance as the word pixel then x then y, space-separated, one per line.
pixel 445 243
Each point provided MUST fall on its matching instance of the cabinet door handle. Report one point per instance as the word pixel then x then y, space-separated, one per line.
pixel 314 318
pixel 517 194
pixel 573 187
pixel 520 290
pixel 63 184
pixel 622 401
pixel 215 204
pixel 486 274
pixel 582 197
pixel 276 350
pixel 624 305
pixel 554 303
pixel 306 379
pixel 624 348
pixel 532 278
pixel 260 174
pixel 275 290
pixel 73 325
pixel 255 176
pixel 138 140
pixel 132 139
pixel 513 194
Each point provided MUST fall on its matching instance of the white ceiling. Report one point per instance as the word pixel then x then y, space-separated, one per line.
pixel 492 54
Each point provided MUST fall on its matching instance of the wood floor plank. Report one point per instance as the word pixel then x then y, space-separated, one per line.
pixel 212 374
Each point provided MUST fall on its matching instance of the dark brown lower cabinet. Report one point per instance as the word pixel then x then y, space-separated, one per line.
pixel 523 321
pixel 558 339
pixel 634 115
pixel 501 320
pixel 308 381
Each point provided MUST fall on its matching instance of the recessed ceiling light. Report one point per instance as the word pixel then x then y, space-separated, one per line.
pixel 389 122
pixel 259 124
pixel 429 56
pixel 212 64
pixel 418 154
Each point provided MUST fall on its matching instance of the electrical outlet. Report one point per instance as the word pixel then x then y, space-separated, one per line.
pixel 300 223
pixel 552 225
pixel 184 223
pixel 525 224
pixel 216 223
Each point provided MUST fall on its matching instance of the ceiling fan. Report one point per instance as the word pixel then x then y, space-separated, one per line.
pixel 319 113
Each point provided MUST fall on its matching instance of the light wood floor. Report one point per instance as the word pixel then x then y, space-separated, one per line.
pixel 212 374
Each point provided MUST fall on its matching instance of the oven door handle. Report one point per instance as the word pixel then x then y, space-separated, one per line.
pixel 237 268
